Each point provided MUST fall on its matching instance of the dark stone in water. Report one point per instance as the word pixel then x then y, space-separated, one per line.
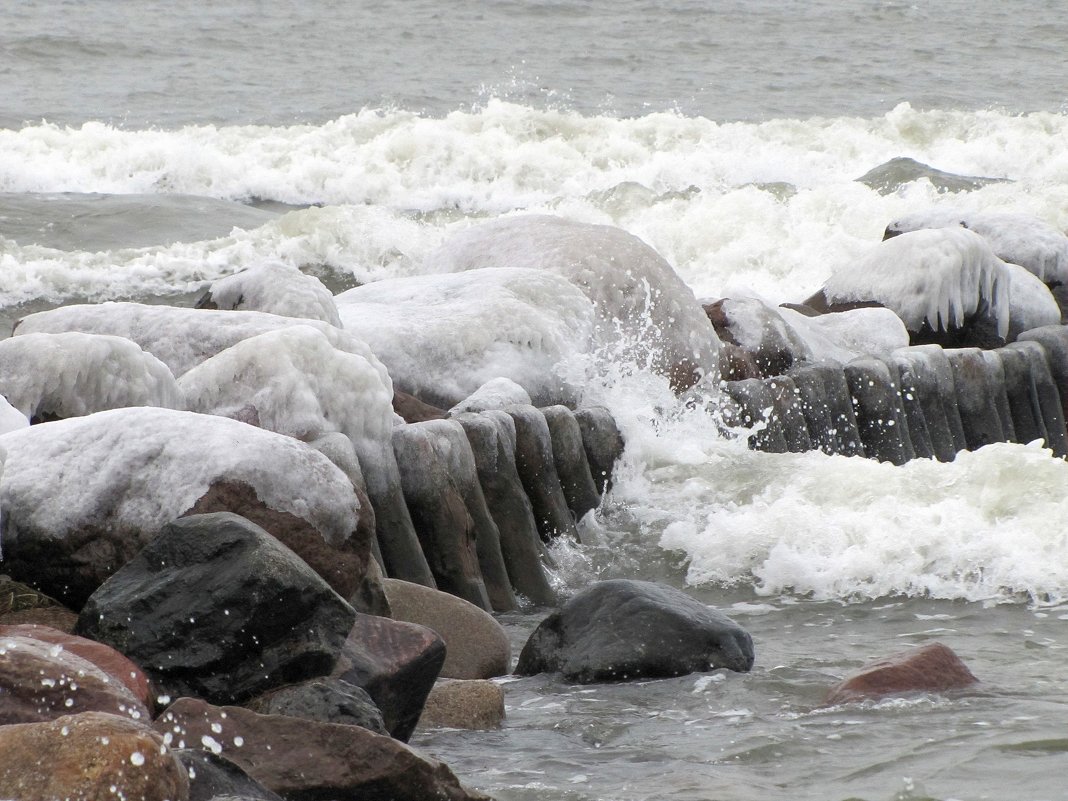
pixel 215 778
pixel 324 699
pixel 934 668
pixel 216 607
pixel 925 373
pixel 621 629
pixel 828 408
pixel 889 177
pixel 911 400
pixel 787 409
pixel 880 412
pixel 537 470
pixel 569 456
pixel 1054 338
pixel 754 398
pixel 1022 396
pixel 603 442
pixel 414 410
pixel 976 397
pixel 1044 391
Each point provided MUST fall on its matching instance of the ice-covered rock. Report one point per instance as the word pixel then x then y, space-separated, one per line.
pixel 1031 304
pixel 82 496
pixel 939 277
pixel 846 335
pixel 760 330
pixel 1021 239
pixel 498 393
pixel 276 288
pixel 179 337
pixel 444 336
pixel 11 419
pixel 50 376
pixel 641 302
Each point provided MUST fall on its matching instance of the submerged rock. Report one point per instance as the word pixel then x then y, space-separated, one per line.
pixel 621 629
pixel 889 177
pixel 934 668
pixel 476 704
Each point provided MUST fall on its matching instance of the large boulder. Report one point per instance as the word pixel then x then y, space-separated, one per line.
pixel 325 699
pixel 88 757
pixel 760 330
pixel 569 456
pixel 933 668
pixel 457 704
pixel 215 778
pixel 216 607
pixel 304 760
pixel 82 496
pixel 537 470
pixel 273 287
pixel 621 630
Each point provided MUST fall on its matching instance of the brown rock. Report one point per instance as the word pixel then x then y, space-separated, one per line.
pixel 454 704
pixel 41 681
pixel 306 760
pixel 414 410
pixel 934 668
pixel 16 597
pixel 57 617
pixel 88 757
pixel 476 644
pixel 104 657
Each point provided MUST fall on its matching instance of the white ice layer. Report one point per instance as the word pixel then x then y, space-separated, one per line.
pixel 276 288
pixel 939 276
pixel 151 465
pixel 1023 239
pixel 498 393
pixel 297 383
pixel 11 419
pixel 1031 304
pixel 641 301
pixel 73 374
pixel 844 336
pixel 180 337
pixel 444 336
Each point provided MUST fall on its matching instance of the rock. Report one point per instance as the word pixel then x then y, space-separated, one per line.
pixel 1045 391
pixel 454 704
pixel 477 646
pixel 976 392
pixel 621 629
pixel 214 778
pixel 89 757
pixel 603 442
pixel 276 288
pixel 104 657
pixel 42 681
pixel 414 410
pixel 305 760
pixel 759 330
pixel 879 410
pixel 216 607
pixel 16 597
pixel 755 407
pixel 926 375
pixel 889 177
pixel 82 496
pixel 492 438
pixel 788 411
pixel 56 617
pixel 325 699
pixel 497 393
pixel 827 408
pixel 537 470
pixel 396 663
pixel 736 363
pixel 1054 338
pixel 933 668
pixel 920 435
pixel 1022 396
pixel 569 456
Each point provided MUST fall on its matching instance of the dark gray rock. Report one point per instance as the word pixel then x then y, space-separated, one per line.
pixel 569 456
pixel 880 413
pixel 1054 338
pixel 753 398
pixel 996 372
pixel 603 442
pixel 1022 395
pixel 1045 390
pixel 890 176
pixel 215 778
pixel 926 375
pixel 216 607
pixel 791 416
pixel 537 470
pixel 622 629
pixel 828 408
pixel 760 331
pixel 324 699
pixel 976 395
pixel 911 387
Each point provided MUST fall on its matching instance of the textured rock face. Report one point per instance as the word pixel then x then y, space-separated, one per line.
pixel 569 456
pixel 474 704
pixel 537 471
pixel 476 645
pixel 304 760
pixel 603 442
pixel 396 663
pixel 89 757
pixel 621 629
pixel 215 778
pixel 326 700
pixel 216 607
pixel 934 668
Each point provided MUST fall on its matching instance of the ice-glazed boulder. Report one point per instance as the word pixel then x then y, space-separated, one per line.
pixel 276 288
pixel 1031 304
pixel 181 338
pixel 444 336
pixel 941 278
pixel 641 301
pixel 843 336
pixel 11 419
pixel 54 376
pixel 83 496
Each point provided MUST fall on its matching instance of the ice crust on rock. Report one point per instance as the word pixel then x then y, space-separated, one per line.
pixel 497 393
pixel 298 384
pixel 147 466
pixel 276 288
pixel 1031 304
pixel 844 336
pixel 940 276
pixel 11 419
pixel 179 337
pixel 1022 239
pixel 74 374
pixel 444 336
pixel 639 298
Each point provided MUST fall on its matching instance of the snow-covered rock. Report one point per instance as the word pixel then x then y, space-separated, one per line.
pixel 74 374
pixel 444 336
pixel 1031 304
pixel 82 496
pixel 276 288
pixel 179 337
pixel 641 302
pixel 844 336
pixel 942 277
pixel 11 419
pixel 498 393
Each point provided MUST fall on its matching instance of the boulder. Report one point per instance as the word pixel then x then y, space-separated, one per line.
pixel 453 704
pixel 413 410
pixel 880 413
pixel 537 470
pixel 933 668
pixel 621 630
pixel 603 442
pixel 215 778
pixel 1054 338
pixel 827 408
pixel 926 375
pixel 324 699
pixel 273 287
pixel 55 617
pixel 82 496
pixel 396 663
pixel 216 607
pixel 1025 410
pixel 1045 391
pixel 788 410
pixel 88 757
pixel 40 681
pixel 977 392
pixel 569 456
pixel 497 393
pixel 477 646
pixel 761 331
pixel 754 409
pixel 889 177
pixel 304 760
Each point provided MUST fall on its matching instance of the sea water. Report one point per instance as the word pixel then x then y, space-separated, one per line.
pixel 147 148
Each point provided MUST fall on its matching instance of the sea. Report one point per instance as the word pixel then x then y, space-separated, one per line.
pixel 149 147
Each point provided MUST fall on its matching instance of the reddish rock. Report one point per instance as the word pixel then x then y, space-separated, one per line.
pixel 414 410
pixel 88 757
pixel 934 668
pixel 104 657
pixel 304 760
pixel 41 681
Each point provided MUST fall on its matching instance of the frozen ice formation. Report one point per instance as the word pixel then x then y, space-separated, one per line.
pixel 276 288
